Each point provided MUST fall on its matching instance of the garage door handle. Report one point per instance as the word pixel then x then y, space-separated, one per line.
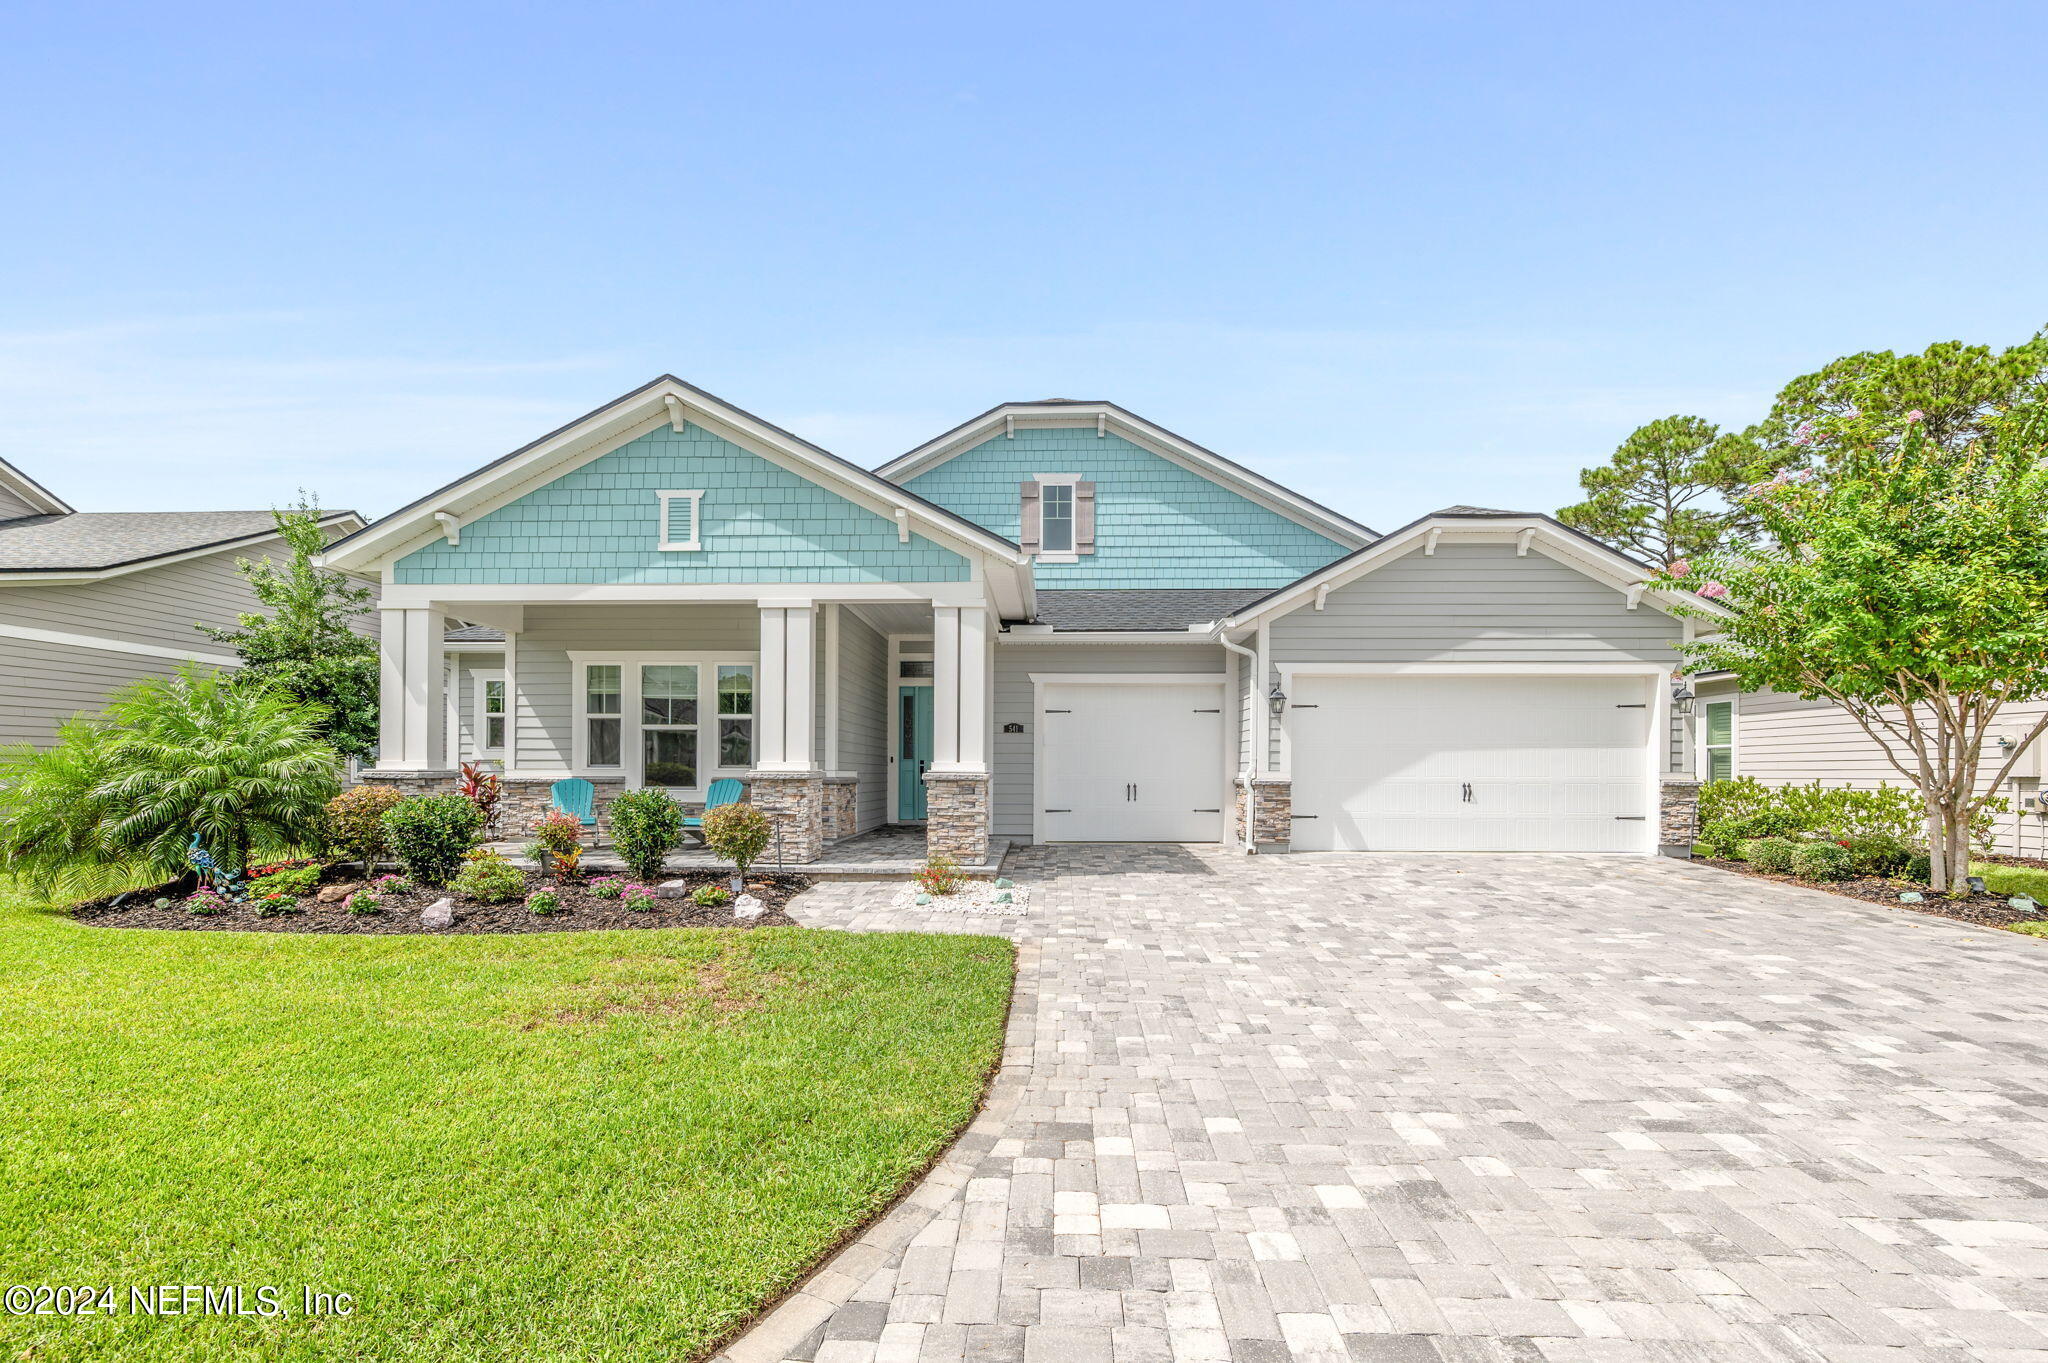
pixel 1468 792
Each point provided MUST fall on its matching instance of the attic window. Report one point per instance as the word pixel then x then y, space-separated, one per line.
pixel 1056 518
pixel 680 512
pixel 1057 523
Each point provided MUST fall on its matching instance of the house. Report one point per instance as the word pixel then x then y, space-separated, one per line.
pixel 1783 740
pixel 93 600
pixel 1055 622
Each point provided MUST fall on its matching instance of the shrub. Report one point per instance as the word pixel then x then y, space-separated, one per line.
pixel 238 766
pixel 638 897
pixel 1823 861
pixel 1919 868
pixel 543 901
pixel 739 834
pixel 273 905
pixel 482 789
pixel 939 875
pixel 292 881
pixel 645 824
pixel 362 901
pixel 1894 811
pixel 1773 856
pixel 355 822
pixel 607 887
pixel 490 879
pixel 206 903
pixel 429 834
pixel 560 834
pixel 1879 854
pixel 710 896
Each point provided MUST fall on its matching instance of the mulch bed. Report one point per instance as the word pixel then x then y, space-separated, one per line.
pixel 580 910
pixel 1987 910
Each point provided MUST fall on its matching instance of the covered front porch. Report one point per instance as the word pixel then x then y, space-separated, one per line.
pixel 840 717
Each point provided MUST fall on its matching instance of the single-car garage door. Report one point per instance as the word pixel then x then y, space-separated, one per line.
pixel 1131 761
pixel 1471 763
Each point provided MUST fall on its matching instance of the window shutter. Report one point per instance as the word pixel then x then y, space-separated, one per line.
pixel 1084 518
pixel 1027 523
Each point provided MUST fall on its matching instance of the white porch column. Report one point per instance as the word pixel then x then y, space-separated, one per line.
pixel 785 688
pixel 409 688
pixel 961 673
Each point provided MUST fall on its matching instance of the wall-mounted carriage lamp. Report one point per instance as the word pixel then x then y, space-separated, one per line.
pixel 1276 699
pixel 1681 697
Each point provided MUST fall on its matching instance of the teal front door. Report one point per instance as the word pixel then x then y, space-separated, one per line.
pixel 913 748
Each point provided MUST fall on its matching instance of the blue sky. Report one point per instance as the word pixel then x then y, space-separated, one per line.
pixel 1396 255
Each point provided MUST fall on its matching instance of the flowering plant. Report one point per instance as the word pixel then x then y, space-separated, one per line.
pixel 362 901
pixel 206 902
pixel 543 901
pixel 607 887
pixel 637 897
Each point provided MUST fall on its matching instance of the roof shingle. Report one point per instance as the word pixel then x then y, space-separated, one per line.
pixel 86 540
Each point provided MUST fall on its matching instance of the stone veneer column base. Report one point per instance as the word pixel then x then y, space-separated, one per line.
pixel 956 815
pixel 794 802
pixel 1678 816
pixel 521 802
pixel 1273 816
pixel 842 807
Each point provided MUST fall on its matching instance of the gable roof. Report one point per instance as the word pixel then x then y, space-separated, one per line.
pixel 604 428
pixel 29 491
pixel 1526 530
pixel 1107 416
pixel 105 543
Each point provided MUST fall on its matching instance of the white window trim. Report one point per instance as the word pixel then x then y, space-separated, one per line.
pixel 695 542
pixel 1072 553
pixel 1700 744
pixel 632 750
pixel 480 717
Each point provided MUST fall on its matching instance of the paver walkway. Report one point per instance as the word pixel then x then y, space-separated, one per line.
pixel 1336 1108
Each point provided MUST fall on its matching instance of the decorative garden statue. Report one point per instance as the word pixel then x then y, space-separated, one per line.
pixel 226 881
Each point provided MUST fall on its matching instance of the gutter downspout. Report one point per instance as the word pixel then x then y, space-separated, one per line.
pixel 1246 771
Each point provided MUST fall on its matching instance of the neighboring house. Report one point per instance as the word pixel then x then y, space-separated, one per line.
pixel 1055 622
pixel 93 600
pixel 1782 740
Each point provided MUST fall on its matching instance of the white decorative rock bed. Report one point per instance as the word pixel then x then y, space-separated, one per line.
pixel 974 896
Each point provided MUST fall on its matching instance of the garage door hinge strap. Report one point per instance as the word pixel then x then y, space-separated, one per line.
pixel 1632 818
pixel 1056 811
pixel 1634 705
pixel 1059 712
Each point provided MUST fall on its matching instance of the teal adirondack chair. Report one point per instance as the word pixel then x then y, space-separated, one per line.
pixel 724 791
pixel 577 798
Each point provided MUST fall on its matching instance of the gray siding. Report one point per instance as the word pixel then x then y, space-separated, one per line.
pixel 1015 664
pixel 13 507
pixel 864 716
pixel 469 733
pixel 546 708
pixel 1473 603
pixel 157 606
pixel 45 684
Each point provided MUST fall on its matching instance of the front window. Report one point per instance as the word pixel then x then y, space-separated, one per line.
pixel 1056 518
pixel 494 715
pixel 602 702
pixel 736 716
pixel 1719 740
pixel 668 724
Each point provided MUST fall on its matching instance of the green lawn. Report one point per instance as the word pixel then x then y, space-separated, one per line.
pixel 579 1145
pixel 2010 880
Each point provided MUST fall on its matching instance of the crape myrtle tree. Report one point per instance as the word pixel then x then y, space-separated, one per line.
pixel 307 646
pixel 1906 581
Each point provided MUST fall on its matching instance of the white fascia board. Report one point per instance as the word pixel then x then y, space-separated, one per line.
pixel 31 492
pixel 459 598
pixel 1547 539
pixel 1146 436
pixel 162 560
pixel 628 419
pixel 1028 635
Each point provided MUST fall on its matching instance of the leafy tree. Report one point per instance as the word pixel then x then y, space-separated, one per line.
pixel 242 766
pixel 1908 584
pixel 307 645
pixel 1668 492
pixel 1957 389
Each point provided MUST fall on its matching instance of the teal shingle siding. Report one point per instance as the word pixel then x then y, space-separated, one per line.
pixel 1156 523
pixel 762 523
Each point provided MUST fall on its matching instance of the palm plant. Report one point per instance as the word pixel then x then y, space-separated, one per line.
pixel 242 767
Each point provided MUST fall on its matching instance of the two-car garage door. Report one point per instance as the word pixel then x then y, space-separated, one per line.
pixel 1520 763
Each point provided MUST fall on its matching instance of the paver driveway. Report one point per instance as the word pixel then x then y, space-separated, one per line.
pixel 1417 1108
